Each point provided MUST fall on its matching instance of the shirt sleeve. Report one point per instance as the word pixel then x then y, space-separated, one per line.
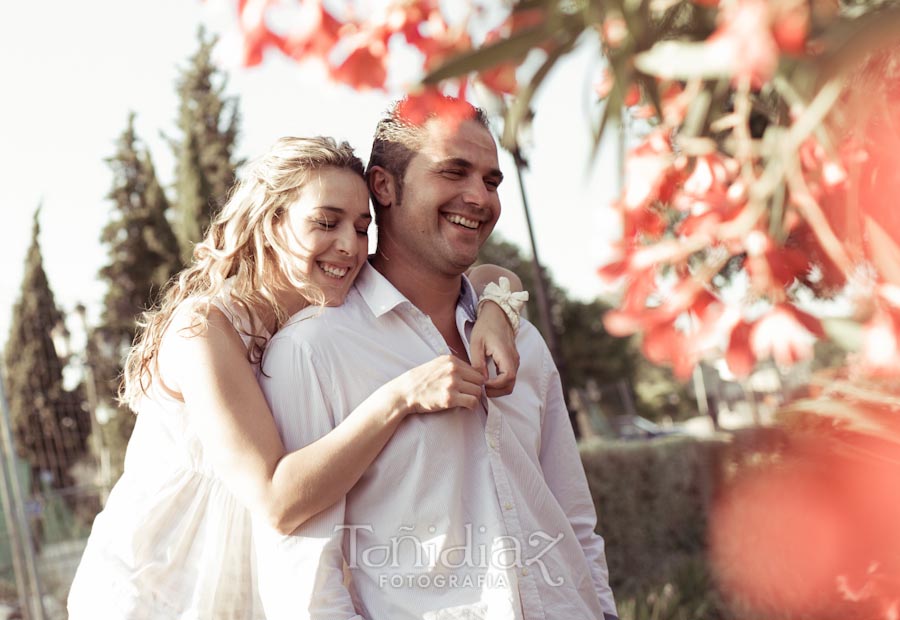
pixel 301 575
pixel 564 474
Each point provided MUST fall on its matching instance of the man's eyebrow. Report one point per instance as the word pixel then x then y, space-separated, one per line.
pixel 465 163
pixel 455 161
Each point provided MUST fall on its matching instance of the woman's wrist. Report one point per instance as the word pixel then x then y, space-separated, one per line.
pixel 509 302
pixel 394 402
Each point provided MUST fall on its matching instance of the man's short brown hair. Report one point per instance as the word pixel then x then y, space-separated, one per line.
pixel 400 133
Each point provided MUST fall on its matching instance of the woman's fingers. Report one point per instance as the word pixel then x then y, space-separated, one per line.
pixel 443 383
pixel 507 363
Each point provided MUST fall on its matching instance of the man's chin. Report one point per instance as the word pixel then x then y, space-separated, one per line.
pixel 465 260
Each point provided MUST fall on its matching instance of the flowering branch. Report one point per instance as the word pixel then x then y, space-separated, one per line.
pixel 754 157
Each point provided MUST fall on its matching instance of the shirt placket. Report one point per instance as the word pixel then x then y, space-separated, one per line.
pixel 525 580
pixel 528 591
pixel 428 331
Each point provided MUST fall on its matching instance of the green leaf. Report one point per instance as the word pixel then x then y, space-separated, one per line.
pixel 612 111
pixel 522 103
pixel 513 48
pixel 525 5
pixel 848 414
pixel 697 114
pixel 849 41
pixel 845 333
pixel 680 60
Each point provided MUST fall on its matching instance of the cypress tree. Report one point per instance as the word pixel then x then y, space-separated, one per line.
pixel 208 126
pixel 50 425
pixel 143 255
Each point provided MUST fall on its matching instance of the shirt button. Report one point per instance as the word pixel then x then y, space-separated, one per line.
pixel 507 506
pixel 492 443
pixel 524 572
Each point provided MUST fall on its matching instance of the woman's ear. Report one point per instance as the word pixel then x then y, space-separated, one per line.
pixel 383 186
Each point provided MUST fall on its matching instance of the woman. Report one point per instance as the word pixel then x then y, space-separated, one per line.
pixel 174 539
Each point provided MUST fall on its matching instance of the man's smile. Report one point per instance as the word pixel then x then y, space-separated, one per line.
pixel 462 221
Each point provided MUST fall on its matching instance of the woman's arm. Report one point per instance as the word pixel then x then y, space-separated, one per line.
pixel 493 336
pixel 482 275
pixel 239 436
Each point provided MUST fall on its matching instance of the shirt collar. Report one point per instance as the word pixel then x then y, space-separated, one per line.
pixel 468 301
pixel 381 296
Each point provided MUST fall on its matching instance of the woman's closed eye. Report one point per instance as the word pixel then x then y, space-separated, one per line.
pixel 324 223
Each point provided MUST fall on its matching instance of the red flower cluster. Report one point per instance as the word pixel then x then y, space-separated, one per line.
pixel 417 108
pixel 685 220
pixel 356 51
pixel 696 212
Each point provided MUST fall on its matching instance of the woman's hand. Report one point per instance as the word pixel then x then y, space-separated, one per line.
pixel 443 383
pixel 493 337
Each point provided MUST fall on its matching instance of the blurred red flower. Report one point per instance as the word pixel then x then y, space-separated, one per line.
pixel 366 64
pixel 255 32
pixel 314 34
pixel 418 108
pixel 744 38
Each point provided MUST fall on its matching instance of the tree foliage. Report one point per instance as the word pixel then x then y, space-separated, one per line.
pixel 143 255
pixel 208 124
pixel 50 426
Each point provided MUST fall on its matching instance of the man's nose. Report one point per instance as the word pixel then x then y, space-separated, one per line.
pixel 477 193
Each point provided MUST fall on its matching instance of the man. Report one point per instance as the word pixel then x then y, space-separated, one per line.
pixel 480 513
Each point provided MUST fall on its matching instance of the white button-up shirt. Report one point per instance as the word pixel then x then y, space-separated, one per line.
pixel 464 514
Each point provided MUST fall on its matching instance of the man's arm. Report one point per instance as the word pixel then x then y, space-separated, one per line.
pixel 564 474
pixel 301 575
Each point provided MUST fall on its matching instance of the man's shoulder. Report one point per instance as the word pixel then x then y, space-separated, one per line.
pixel 532 347
pixel 317 325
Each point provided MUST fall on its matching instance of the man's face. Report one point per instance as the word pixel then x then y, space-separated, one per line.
pixel 450 203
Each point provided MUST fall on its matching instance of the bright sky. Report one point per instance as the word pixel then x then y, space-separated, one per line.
pixel 71 73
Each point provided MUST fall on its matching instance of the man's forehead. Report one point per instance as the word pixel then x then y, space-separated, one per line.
pixel 454 138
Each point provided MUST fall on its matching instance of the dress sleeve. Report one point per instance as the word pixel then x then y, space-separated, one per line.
pixel 565 476
pixel 301 575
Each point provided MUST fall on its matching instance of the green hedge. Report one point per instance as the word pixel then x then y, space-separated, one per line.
pixel 653 498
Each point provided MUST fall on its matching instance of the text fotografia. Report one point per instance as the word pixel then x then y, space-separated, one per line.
pixel 438 581
pixel 502 553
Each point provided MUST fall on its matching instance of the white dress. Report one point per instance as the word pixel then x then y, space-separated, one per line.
pixel 172 542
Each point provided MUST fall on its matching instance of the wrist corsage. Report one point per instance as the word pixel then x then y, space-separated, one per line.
pixel 511 303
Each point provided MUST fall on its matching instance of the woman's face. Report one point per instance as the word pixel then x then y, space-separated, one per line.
pixel 326 230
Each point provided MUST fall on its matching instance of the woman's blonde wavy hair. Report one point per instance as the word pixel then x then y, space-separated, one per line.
pixel 241 244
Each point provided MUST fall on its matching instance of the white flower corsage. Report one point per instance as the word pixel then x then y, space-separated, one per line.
pixel 511 303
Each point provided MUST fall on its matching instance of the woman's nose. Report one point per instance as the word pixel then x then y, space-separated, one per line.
pixel 345 243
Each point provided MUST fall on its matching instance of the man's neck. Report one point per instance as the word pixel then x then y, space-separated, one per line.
pixel 434 294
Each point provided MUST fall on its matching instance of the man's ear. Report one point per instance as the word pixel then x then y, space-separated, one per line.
pixel 383 186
